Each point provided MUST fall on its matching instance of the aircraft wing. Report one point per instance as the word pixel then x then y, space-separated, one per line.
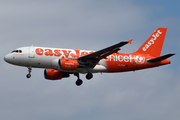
pixel 95 57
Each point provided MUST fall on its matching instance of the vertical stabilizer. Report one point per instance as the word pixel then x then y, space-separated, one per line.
pixel 154 43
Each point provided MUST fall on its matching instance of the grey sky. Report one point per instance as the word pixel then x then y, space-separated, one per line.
pixel 92 25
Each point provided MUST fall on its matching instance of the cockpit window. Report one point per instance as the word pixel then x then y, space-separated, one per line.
pixel 16 51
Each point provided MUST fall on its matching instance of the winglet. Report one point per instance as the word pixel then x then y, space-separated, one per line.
pixel 130 41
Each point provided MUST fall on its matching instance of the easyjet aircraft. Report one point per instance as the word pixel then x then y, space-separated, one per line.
pixel 60 63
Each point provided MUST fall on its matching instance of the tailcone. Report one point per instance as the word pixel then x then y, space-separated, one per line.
pixel 166 61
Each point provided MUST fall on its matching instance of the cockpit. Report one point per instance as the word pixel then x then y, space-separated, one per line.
pixel 16 51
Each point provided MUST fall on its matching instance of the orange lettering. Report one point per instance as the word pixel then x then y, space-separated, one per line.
pixel 39 51
pixel 84 53
pixel 66 54
pixel 91 52
pixel 76 55
pixel 48 52
pixel 57 53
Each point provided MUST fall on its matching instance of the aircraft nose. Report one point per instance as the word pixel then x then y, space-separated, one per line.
pixel 7 58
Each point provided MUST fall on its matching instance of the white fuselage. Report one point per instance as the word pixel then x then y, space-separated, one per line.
pixel 45 57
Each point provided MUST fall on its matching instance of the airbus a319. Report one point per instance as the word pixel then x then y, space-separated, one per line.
pixel 60 63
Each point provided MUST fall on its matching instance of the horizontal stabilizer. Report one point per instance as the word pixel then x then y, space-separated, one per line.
pixel 158 59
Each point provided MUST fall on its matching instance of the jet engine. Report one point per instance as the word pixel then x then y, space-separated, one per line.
pixel 52 74
pixel 68 64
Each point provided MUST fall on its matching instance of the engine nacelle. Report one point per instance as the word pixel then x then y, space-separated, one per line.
pixel 68 64
pixel 52 74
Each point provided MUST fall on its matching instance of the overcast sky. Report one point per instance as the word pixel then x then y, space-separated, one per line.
pixel 151 94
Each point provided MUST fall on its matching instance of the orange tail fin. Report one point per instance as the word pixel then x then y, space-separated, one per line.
pixel 154 43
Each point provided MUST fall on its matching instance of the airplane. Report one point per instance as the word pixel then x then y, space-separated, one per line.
pixel 60 63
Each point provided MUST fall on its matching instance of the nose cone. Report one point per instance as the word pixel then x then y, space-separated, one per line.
pixel 8 58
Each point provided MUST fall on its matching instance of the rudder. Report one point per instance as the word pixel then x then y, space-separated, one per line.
pixel 154 43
